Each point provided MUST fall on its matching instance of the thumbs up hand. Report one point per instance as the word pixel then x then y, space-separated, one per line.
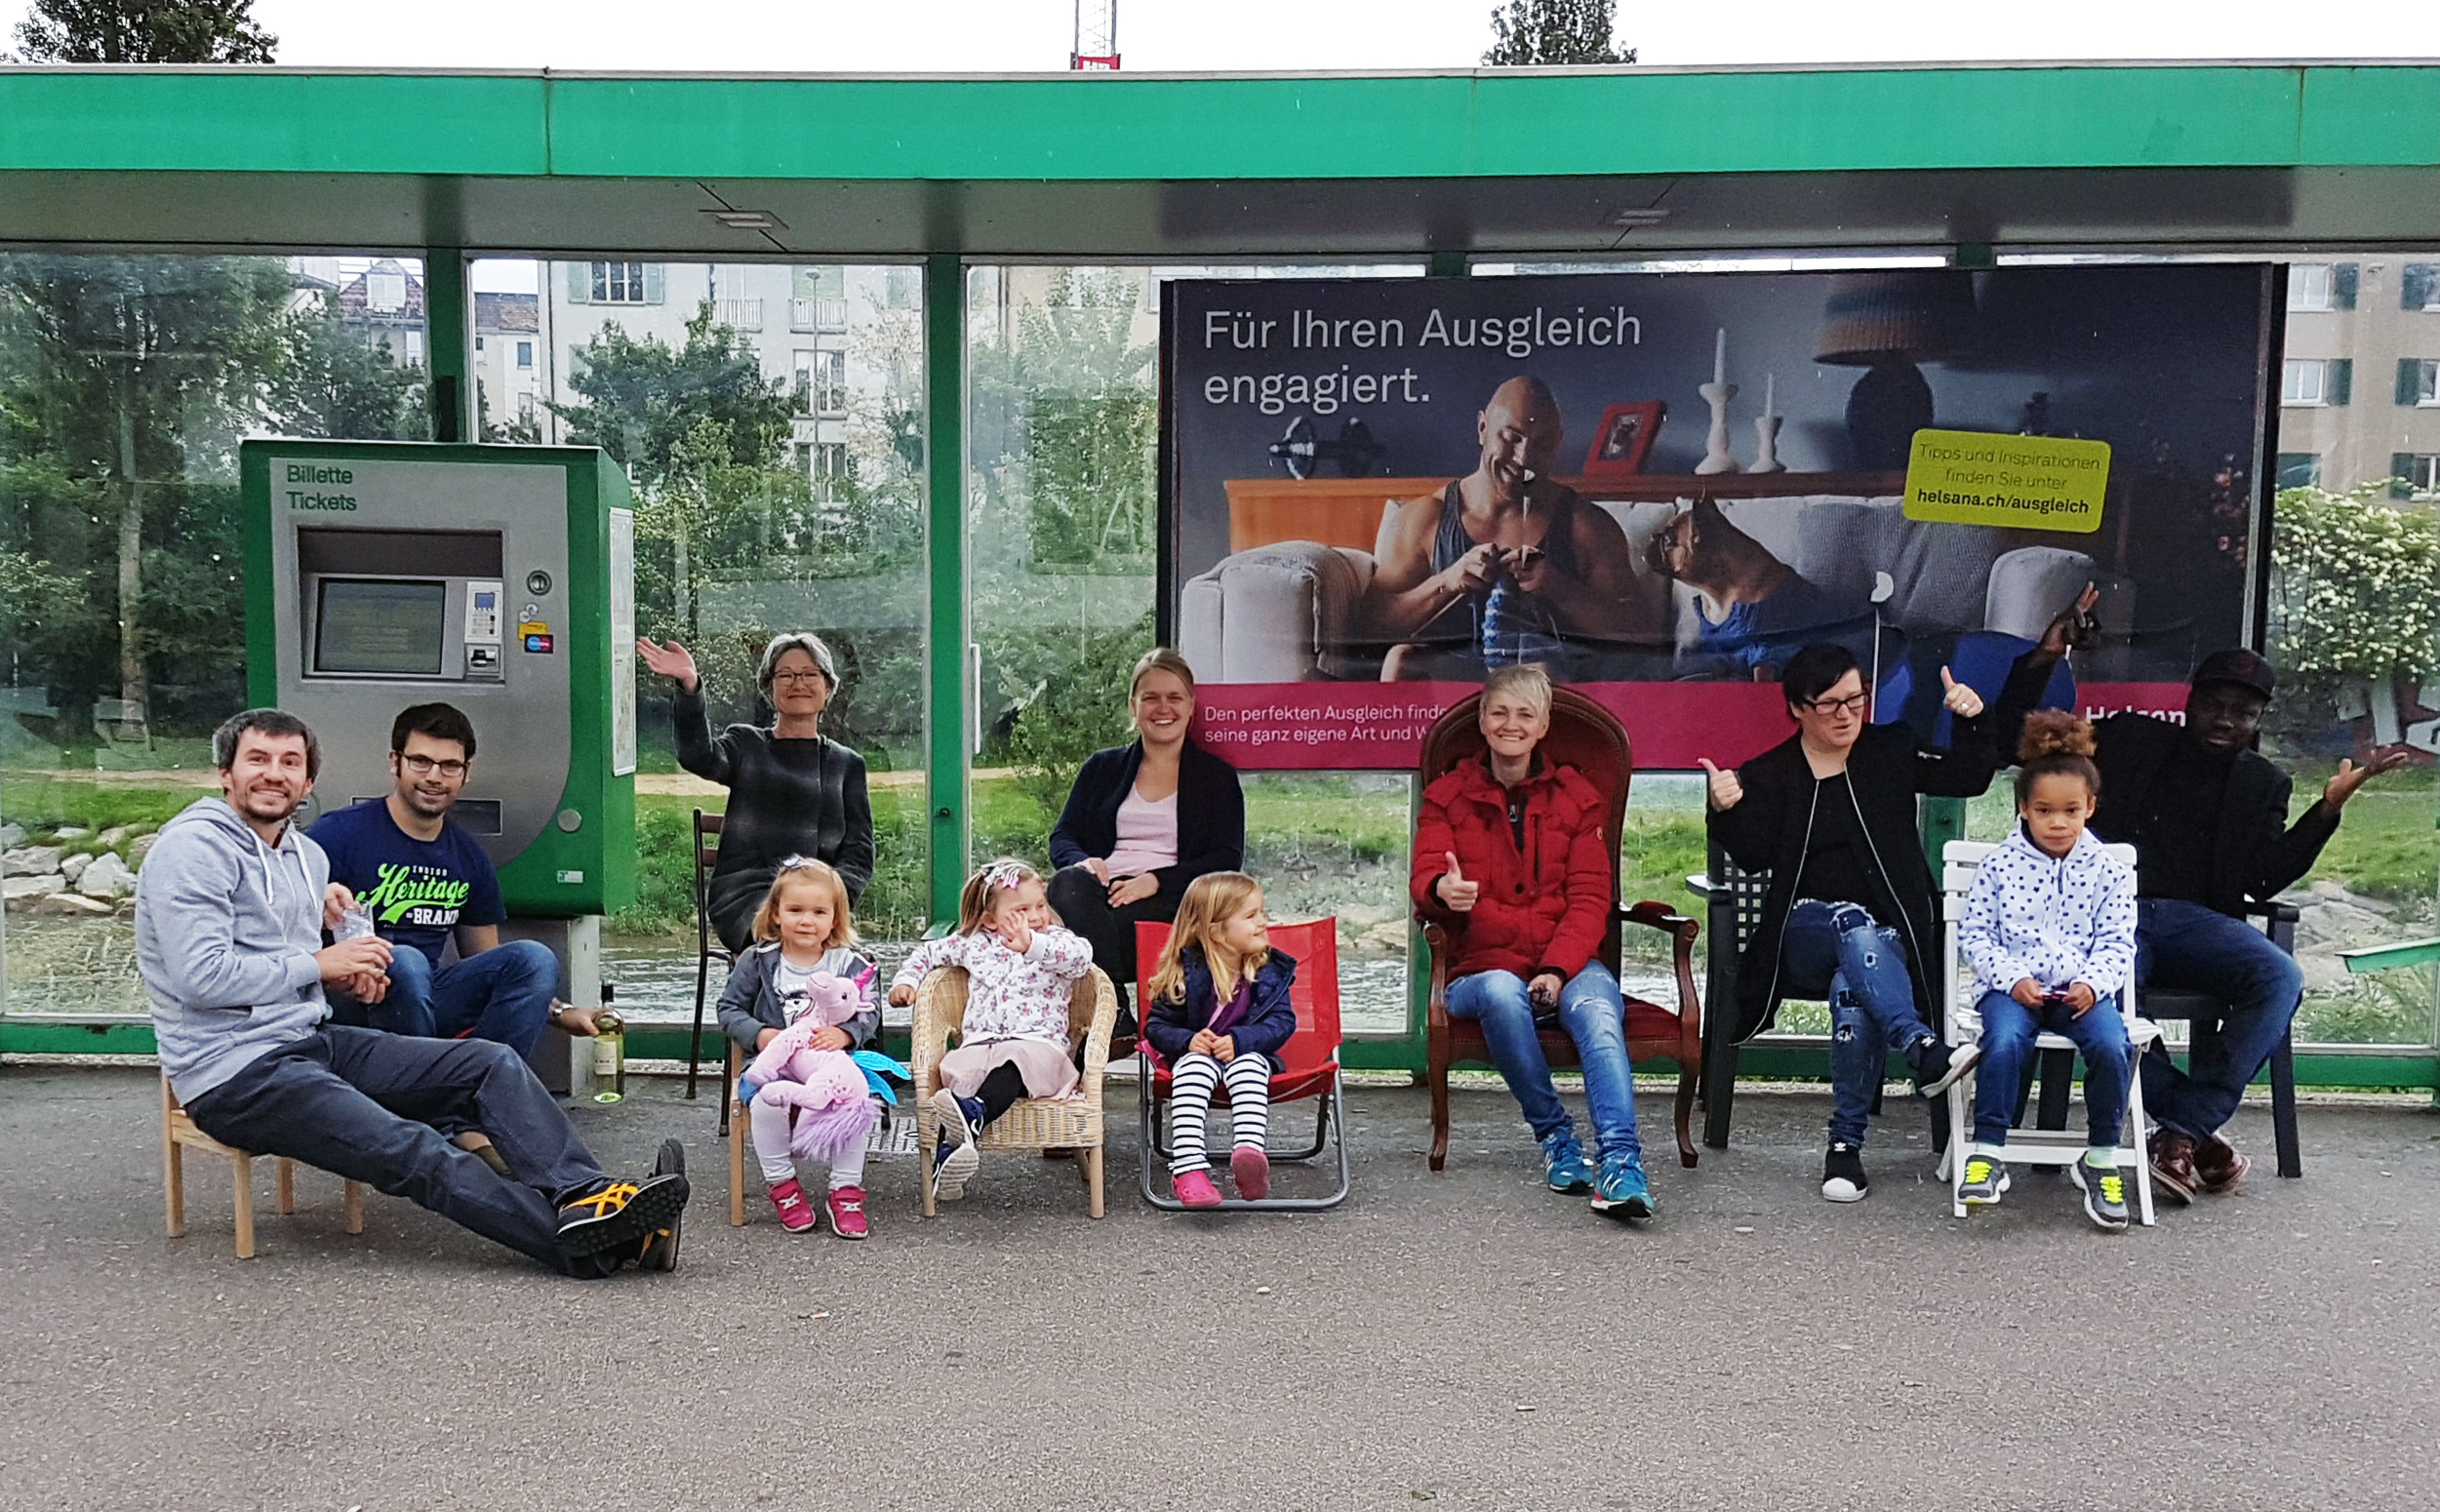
pixel 1458 893
pixel 1726 791
pixel 1962 700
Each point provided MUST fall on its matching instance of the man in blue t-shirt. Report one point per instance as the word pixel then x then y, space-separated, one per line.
pixel 423 878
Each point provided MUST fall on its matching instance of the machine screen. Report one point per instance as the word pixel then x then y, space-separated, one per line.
pixel 381 626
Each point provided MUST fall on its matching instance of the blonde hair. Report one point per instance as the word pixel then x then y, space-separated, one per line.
pixel 804 868
pixel 1160 658
pixel 976 900
pixel 1212 900
pixel 1527 680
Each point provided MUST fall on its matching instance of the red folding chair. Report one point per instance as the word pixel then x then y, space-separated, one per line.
pixel 1311 1069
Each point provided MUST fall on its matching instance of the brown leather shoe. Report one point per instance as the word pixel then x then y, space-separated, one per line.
pixel 2173 1165
pixel 2220 1165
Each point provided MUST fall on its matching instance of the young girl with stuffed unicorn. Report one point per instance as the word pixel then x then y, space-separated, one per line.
pixel 1021 968
pixel 1217 1008
pixel 799 1003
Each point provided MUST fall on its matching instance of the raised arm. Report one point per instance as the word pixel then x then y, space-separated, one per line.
pixel 1406 594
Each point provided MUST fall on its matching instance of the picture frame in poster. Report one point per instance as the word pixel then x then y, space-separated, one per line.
pixel 1624 438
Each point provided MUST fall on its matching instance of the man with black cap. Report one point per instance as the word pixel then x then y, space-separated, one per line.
pixel 2208 817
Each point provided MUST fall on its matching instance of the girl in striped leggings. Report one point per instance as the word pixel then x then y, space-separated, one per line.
pixel 1218 1011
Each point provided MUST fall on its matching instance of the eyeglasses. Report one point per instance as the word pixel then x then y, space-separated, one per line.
pixel 796 679
pixel 1831 708
pixel 425 765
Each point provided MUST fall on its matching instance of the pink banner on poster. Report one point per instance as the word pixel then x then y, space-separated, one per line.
pixel 1321 727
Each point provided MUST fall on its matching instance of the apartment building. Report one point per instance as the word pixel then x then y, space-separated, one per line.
pixel 2360 388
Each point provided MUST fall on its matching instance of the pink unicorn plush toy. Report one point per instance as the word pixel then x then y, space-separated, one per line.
pixel 832 1108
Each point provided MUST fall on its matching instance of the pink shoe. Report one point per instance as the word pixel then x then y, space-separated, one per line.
pixel 846 1212
pixel 796 1210
pixel 1253 1171
pixel 1195 1189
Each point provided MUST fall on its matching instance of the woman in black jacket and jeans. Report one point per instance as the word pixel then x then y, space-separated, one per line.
pixel 1830 812
pixel 1142 820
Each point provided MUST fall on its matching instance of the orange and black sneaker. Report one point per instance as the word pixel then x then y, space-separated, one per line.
pixel 660 1251
pixel 621 1213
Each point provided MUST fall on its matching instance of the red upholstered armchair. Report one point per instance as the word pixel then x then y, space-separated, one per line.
pixel 1589 737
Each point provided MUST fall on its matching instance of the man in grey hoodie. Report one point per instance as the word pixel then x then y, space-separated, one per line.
pixel 229 911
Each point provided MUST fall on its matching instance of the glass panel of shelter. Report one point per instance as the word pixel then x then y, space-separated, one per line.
pixel 129 380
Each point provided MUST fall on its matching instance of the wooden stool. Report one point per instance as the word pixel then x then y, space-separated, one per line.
pixel 178 1131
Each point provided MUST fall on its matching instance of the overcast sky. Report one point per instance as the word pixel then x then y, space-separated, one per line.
pixel 1017 35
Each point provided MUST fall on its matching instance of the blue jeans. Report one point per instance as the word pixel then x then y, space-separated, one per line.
pixel 1840 950
pixel 363 1105
pixel 1595 1016
pixel 2187 946
pixel 502 994
pixel 2099 1033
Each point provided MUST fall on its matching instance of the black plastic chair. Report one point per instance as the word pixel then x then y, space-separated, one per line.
pixel 706 840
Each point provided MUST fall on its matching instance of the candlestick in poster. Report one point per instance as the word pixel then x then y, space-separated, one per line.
pixel 1717 393
pixel 1767 429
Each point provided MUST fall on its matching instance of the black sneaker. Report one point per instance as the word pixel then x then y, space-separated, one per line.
pixel 622 1212
pixel 1842 1174
pixel 1938 1067
pixel 660 1248
pixel 2105 1195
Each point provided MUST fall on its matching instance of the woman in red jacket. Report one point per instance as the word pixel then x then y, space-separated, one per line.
pixel 1512 860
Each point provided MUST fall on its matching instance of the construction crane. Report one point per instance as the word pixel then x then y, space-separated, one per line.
pixel 1096 36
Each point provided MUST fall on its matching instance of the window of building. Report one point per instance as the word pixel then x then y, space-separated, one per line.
pixel 829 383
pixel 2419 286
pixel 2419 382
pixel 902 288
pixel 415 348
pixel 2317 380
pixel 525 354
pixel 525 408
pixel 2322 286
pixel 384 292
pixel 617 283
pixel 478 344
pixel 827 462
pixel 2414 475
pixel 2300 469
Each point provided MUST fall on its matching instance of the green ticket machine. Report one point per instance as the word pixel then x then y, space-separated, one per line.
pixel 497 579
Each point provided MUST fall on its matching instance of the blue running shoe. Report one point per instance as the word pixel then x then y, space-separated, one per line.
pixel 1564 1162
pixel 1622 1192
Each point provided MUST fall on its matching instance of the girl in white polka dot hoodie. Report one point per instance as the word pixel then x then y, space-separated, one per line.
pixel 2049 932
pixel 1021 968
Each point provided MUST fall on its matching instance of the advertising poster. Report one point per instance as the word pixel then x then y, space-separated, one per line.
pixel 1662 486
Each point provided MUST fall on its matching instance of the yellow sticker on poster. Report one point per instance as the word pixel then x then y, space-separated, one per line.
pixel 2042 483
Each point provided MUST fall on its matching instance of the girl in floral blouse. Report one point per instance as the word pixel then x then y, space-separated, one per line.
pixel 1021 968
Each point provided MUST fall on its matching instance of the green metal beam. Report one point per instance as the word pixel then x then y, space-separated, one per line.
pixel 1462 124
pixel 448 346
pixel 951 743
pixel 2376 958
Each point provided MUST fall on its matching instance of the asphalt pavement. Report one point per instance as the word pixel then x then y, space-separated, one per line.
pixel 1466 1339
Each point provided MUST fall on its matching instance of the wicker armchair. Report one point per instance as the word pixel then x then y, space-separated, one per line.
pixel 1032 1123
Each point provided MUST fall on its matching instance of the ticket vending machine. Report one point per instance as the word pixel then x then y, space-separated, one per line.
pixel 497 579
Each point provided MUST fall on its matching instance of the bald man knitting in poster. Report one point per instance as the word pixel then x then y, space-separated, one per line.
pixel 1503 566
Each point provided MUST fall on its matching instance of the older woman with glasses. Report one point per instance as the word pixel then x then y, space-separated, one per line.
pixel 792 791
pixel 1830 814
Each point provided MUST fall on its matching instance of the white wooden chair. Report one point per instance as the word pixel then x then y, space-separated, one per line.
pixel 1961 1024
pixel 178 1135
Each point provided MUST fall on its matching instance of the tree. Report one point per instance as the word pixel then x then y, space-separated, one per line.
pixel 1528 32
pixel 2353 619
pixel 126 381
pixel 143 31
pixel 334 383
pixel 640 398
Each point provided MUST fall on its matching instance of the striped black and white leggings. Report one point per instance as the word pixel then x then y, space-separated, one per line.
pixel 1192 1080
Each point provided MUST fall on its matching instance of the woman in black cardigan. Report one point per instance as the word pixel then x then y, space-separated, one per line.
pixel 1143 820
pixel 1830 814
pixel 792 791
